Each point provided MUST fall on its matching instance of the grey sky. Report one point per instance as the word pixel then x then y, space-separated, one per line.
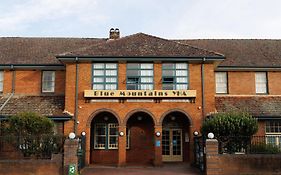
pixel 164 18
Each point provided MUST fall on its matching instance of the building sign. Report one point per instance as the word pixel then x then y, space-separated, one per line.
pixel 140 93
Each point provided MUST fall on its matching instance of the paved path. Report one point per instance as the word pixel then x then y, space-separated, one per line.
pixel 167 169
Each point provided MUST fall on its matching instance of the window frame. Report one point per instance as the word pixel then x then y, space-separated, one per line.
pixel 266 83
pixel 139 76
pixel 53 81
pixel 174 76
pixel 104 76
pixel 226 83
pixel 270 133
pixel 1 81
pixel 107 136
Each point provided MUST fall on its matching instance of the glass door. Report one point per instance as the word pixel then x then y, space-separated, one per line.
pixel 172 145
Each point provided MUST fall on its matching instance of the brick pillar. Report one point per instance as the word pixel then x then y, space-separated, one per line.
pixel 212 158
pixel 70 154
pixel 157 146
pixel 122 147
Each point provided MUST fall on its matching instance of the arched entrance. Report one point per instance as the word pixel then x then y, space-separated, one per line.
pixel 104 139
pixel 175 137
pixel 140 139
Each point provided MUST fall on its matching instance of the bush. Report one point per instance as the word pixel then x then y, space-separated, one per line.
pixel 29 123
pixel 33 134
pixel 232 129
pixel 264 148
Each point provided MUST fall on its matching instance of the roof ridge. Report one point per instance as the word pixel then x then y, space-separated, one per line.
pixel 199 48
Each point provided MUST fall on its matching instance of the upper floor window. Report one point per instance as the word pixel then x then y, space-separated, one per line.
pixel 261 82
pixel 174 76
pixel 1 80
pixel 139 76
pixel 104 76
pixel 48 81
pixel 221 82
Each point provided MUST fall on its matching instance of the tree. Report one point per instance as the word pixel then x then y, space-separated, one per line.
pixel 232 129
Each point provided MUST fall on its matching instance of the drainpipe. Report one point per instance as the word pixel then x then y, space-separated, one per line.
pixel 203 88
pixel 13 88
pixel 76 96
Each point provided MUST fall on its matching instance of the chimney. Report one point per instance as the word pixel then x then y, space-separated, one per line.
pixel 114 33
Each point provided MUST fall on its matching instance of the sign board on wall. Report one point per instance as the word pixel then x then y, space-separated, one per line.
pixel 140 93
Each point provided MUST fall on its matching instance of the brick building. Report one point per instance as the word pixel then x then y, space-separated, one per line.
pixel 139 98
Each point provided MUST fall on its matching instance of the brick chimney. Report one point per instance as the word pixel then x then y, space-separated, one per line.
pixel 114 33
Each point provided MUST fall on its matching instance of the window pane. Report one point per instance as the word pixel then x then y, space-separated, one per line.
pixel 132 72
pixel 111 65
pixel 168 80
pixel 98 80
pixel 181 87
pixel 181 66
pixel 221 82
pixel 168 86
pixel 132 87
pixel 111 80
pixel 132 65
pixel 98 65
pixel 167 66
pixel 182 80
pixel 111 73
pixel 146 66
pixel 1 80
pixel 48 81
pixel 98 86
pixel 110 87
pixel 98 72
pixel 181 73
pixel 261 82
pixel 147 80
pixel 146 73
pixel 168 73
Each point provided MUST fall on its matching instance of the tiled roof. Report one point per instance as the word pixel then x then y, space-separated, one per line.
pixel 44 105
pixel 142 45
pixel 14 50
pixel 256 105
pixel 243 52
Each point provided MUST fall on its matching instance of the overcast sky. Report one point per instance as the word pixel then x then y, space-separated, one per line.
pixel 164 18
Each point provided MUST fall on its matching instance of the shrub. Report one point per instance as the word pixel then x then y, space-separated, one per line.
pixel 232 129
pixel 264 148
pixel 33 134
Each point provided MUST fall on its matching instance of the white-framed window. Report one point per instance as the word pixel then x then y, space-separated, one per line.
pixel 1 80
pixel 105 76
pixel 140 76
pixel 273 132
pixel 221 82
pixel 261 82
pixel 175 76
pixel 48 81
pixel 106 136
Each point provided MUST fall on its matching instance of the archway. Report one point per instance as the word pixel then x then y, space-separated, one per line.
pixel 140 139
pixel 104 138
pixel 175 137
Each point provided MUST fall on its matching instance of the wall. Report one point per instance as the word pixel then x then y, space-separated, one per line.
pixel 233 164
pixel 87 110
pixel 29 167
pixel 28 82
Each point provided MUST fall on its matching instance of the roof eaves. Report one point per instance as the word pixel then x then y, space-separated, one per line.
pixel 248 68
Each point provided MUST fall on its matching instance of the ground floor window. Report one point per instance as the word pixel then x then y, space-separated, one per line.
pixel 273 132
pixel 106 136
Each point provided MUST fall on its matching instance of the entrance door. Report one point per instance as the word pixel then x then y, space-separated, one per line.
pixel 172 145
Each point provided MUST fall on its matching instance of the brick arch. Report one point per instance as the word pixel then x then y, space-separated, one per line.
pixel 95 113
pixel 175 110
pixel 131 113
